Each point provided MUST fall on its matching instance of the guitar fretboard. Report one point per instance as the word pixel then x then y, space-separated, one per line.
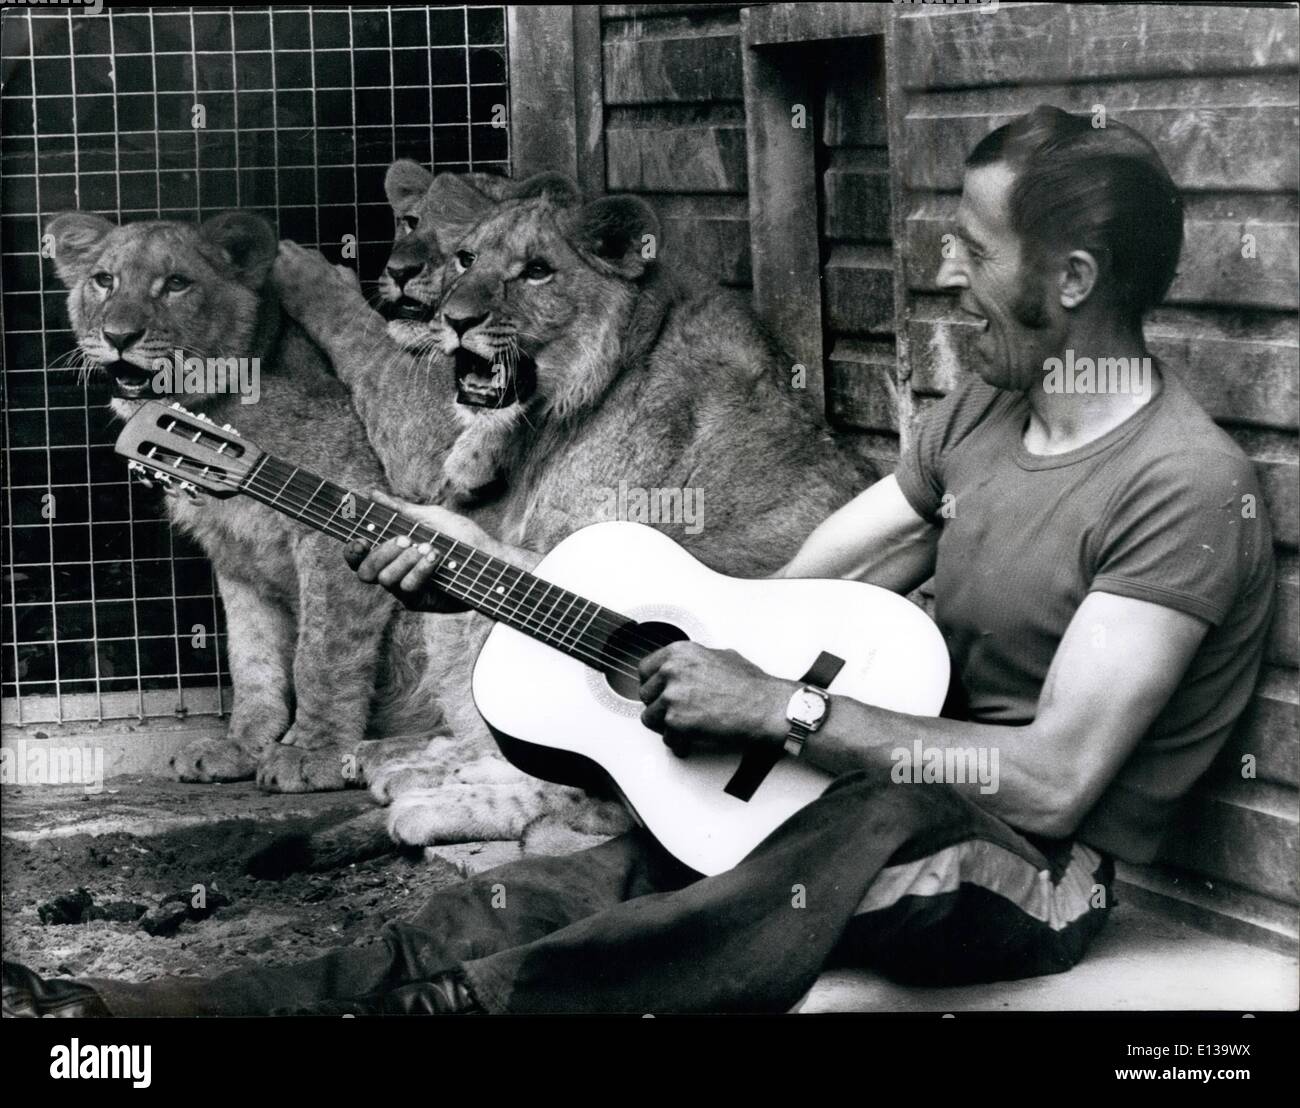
pixel 555 616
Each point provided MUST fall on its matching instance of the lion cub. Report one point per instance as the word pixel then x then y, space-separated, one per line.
pixel 305 638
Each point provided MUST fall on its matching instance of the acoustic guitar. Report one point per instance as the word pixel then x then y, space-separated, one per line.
pixel 556 680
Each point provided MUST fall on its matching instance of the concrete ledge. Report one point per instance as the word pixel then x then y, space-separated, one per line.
pixel 1140 962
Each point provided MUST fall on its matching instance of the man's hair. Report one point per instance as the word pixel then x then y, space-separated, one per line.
pixel 1101 189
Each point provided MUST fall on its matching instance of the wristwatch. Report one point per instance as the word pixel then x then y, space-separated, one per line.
pixel 806 712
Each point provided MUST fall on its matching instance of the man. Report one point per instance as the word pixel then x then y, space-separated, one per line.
pixel 1103 576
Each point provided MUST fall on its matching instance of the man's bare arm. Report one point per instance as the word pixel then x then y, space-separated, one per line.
pixel 876 537
pixel 1114 671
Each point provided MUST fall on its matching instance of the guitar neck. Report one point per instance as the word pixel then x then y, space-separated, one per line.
pixel 504 592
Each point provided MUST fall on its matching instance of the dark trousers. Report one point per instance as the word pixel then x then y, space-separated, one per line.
pixel 913 880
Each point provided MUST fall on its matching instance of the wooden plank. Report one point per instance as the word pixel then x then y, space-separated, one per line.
pixel 716 247
pixel 896 108
pixel 860 289
pixel 659 70
pixel 1041 42
pixel 1284 639
pixel 857 200
pixel 782 175
pixel 1243 367
pixel 659 158
pixel 772 24
pixel 862 389
pixel 1279 481
pixel 1248 834
pixel 1233 147
pixel 1247 262
pixel 1212 269
pixel 1268 733
pixel 589 102
pixel 543 115
pixel 854 103
pixel 640 11
pixel 1215 906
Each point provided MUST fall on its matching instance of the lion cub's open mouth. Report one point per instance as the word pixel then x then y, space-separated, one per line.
pixel 130 382
pixel 405 308
pixel 484 384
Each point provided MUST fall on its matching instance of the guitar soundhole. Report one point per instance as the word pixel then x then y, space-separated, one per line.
pixel 632 642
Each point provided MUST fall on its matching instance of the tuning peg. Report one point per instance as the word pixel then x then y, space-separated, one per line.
pixel 227 427
pixel 161 477
pixel 190 489
pixel 138 469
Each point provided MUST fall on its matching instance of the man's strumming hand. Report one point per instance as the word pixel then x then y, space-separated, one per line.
pixel 695 693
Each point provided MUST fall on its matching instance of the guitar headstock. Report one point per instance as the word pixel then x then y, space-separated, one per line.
pixel 179 447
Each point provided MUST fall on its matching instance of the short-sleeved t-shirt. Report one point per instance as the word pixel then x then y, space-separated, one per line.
pixel 1164 508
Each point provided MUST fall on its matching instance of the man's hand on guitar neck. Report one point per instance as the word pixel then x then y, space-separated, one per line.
pixel 406 569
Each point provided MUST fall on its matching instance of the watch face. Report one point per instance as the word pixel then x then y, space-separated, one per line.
pixel 807 708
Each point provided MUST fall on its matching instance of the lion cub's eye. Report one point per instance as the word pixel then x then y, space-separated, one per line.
pixel 176 283
pixel 537 270
pixel 103 279
pixel 465 258
pixel 411 222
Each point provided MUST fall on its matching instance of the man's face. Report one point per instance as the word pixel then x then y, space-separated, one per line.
pixel 999 287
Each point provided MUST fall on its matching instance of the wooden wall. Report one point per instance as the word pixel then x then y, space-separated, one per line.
pixel 675 126
pixel 1213 87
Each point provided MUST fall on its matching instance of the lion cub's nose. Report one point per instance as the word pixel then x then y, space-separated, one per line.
pixel 461 324
pixel 402 273
pixel 121 341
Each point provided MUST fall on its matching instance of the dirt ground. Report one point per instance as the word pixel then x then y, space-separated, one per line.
pixel 104 884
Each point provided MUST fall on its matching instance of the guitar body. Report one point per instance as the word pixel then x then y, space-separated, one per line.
pixel 558 718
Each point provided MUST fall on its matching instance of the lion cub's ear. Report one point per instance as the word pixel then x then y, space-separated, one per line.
pixel 248 242
pixel 406 181
pixel 76 238
pixel 618 234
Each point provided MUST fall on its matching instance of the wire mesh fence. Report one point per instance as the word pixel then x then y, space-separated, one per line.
pixel 178 114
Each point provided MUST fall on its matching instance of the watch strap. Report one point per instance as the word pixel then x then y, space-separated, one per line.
pixel 758 761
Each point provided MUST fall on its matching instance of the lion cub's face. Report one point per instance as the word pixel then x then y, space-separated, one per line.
pixel 411 284
pixel 140 293
pixel 536 297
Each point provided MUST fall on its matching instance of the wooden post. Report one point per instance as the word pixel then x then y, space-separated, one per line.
pixel 556 108
pixel 780 128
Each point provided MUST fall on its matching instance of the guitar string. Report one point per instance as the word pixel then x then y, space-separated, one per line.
pixel 603 618
pixel 602 656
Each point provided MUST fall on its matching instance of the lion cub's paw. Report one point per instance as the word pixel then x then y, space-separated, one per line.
pixel 397 778
pixel 207 761
pixel 290 769
pixel 309 286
